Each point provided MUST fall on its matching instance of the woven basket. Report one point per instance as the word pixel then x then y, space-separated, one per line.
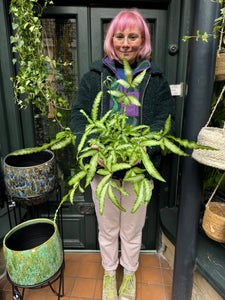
pixel 213 137
pixel 220 67
pixel 214 221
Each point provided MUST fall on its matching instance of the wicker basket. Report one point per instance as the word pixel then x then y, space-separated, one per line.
pixel 220 67
pixel 214 221
pixel 213 137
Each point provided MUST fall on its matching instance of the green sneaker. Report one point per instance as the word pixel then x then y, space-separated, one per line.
pixel 128 286
pixel 109 291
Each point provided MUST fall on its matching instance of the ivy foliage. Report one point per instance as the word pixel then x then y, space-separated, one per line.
pixel 31 84
pixel 218 26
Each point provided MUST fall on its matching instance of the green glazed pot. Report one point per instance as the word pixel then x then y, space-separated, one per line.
pixel 33 252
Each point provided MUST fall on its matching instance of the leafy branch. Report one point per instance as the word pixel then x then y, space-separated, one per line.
pixel 31 84
pixel 121 147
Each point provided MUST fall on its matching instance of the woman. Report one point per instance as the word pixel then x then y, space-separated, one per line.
pixel 127 35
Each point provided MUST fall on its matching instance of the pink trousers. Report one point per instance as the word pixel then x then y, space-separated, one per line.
pixel 114 223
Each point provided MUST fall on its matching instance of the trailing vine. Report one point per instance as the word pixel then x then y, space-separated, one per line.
pixel 31 83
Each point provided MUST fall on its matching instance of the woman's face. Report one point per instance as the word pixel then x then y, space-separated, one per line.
pixel 127 43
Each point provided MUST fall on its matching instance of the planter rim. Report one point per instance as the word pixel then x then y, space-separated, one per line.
pixel 27 167
pixel 27 223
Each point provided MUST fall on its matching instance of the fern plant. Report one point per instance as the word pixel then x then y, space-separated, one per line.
pixel 119 146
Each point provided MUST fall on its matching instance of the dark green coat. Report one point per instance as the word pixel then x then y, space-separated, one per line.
pixel 155 97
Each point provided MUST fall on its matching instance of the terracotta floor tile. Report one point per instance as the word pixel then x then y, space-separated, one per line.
pixel 168 292
pixel 138 274
pixel 163 262
pixel 88 269
pixel 6 295
pixel 153 292
pixel 167 276
pixel 100 272
pixel 71 268
pixel 138 291
pixel 151 275
pixel 34 296
pixel 95 257
pixel 84 288
pixel 98 290
pixel 68 286
pixel 69 257
pixel 55 298
pixel 149 260
pixel 83 277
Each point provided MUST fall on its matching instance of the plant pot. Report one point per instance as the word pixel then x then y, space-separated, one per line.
pixel 33 252
pixel 29 175
pixel 213 137
pixel 214 221
pixel 220 67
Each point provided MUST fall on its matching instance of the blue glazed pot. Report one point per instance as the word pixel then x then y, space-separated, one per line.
pixel 29 175
pixel 33 252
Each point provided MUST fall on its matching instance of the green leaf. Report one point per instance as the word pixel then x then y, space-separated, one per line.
pixel 140 198
pixel 87 117
pixel 167 125
pixel 120 166
pixel 62 144
pixel 172 147
pixel 101 184
pixel 119 188
pixel 150 143
pixel 136 178
pixel 127 70
pixel 113 198
pixel 191 145
pixel 150 167
pixel 94 112
pixel 134 100
pixel 102 198
pixel 148 191
pixel 90 152
pixel 92 169
pixel 117 94
pixel 124 83
pixel 103 172
pixel 77 178
pixel 138 79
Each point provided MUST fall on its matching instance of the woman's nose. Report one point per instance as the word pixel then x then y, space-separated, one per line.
pixel 125 42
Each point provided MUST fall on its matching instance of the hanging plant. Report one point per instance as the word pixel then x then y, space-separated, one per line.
pixel 33 82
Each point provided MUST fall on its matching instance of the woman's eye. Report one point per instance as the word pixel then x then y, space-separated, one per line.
pixel 119 37
pixel 133 37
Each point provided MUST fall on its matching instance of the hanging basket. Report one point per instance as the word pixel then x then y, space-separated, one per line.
pixel 214 221
pixel 220 67
pixel 213 137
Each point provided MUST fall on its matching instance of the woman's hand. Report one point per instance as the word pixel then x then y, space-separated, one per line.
pixel 100 161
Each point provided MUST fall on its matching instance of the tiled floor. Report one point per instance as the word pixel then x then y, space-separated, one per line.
pixel 83 279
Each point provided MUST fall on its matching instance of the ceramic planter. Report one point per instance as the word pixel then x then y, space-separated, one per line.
pixel 29 175
pixel 33 252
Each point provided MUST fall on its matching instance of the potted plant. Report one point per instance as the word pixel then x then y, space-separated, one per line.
pixel 33 85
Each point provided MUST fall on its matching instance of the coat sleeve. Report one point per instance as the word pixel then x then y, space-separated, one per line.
pixel 161 105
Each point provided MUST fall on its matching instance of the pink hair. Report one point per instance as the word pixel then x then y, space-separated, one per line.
pixel 130 19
